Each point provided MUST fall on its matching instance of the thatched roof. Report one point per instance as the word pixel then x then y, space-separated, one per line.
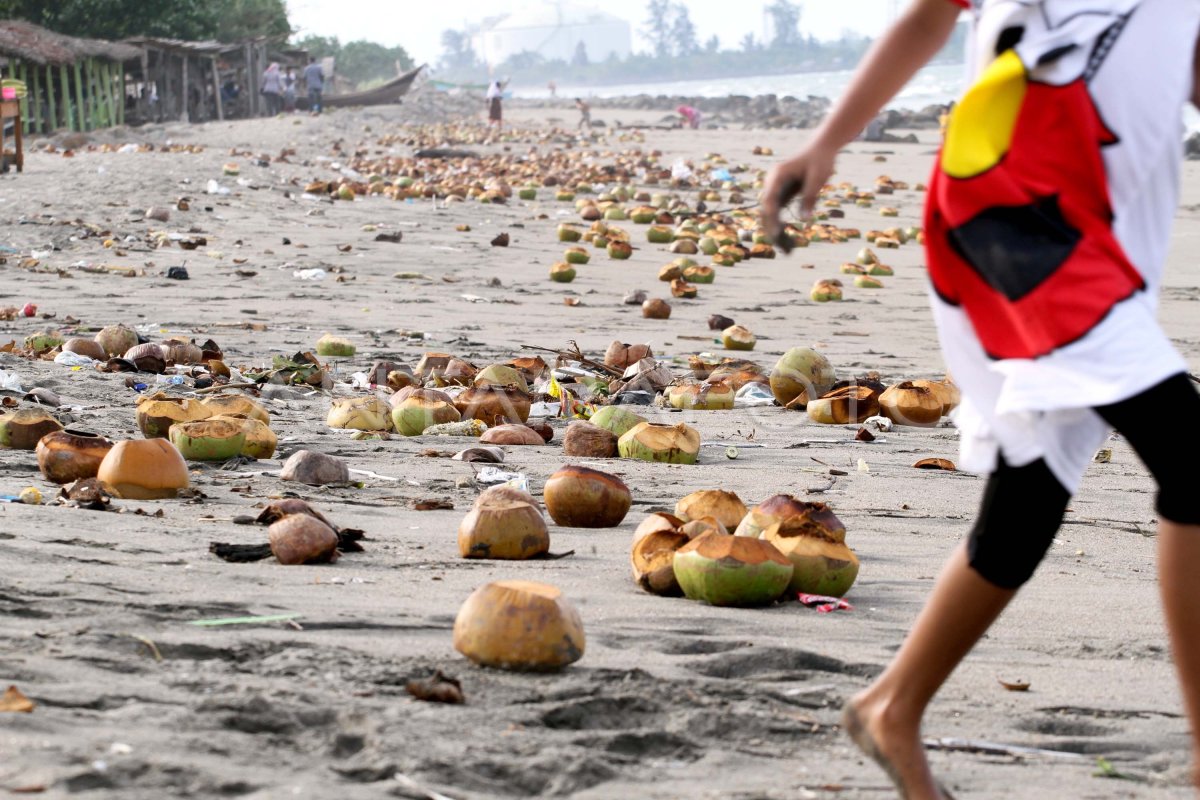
pixel 29 42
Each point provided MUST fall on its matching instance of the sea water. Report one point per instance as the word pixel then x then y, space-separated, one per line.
pixel 938 84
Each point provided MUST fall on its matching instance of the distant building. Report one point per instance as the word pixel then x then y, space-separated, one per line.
pixel 554 31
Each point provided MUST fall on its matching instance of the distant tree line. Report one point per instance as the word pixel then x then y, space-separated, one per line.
pixel 224 20
pixel 677 54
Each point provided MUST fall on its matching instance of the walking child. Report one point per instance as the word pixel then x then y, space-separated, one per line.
pixel 1047 225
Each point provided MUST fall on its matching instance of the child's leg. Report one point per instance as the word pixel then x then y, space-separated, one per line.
pixel 1165 455
pixel 1022 509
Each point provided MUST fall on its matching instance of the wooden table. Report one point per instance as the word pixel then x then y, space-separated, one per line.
pixel 11 110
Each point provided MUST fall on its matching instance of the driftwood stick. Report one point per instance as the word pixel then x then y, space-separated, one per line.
pixel 576 355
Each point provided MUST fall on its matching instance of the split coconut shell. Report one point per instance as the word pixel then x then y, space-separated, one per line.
pixel 519 625
pixel 367 413
pixel 157 413
pixel 314 469
pixel 208 440
pixel 422 409
pixel 503 528
pixel 144 469
pixel 848 405
pixel 489 404
pixel 781 507
pixel 651 441
pixel 23 429
pixel 726 507
pixel 302 539
pixel 67 456
pixel 579 497
pixel 512 435
pixel 731 570
pixel 909 404
pixel 823 563
pixel 585 440
pixel 617 420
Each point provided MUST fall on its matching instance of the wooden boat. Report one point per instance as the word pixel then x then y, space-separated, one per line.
pixel 388 93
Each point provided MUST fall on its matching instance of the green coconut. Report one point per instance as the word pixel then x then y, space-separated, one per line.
pixel 412 416
pixel 782 507
pixel 671 444
pixel 867 282
pixel 527 193
pixel 616 420
pixel 46 340
pixel 701 396
pixel 660 234
pixel 569 233
pixel 500 375
pixel 22 430
pixel 801 373
pixel 822 565
pixel 727 570
pixel 208 440
pixel 562 273
pixel 335 347
pixel 576 255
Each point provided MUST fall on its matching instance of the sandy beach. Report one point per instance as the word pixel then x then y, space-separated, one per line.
pixel 673 698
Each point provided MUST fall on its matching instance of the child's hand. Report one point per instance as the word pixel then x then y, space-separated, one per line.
pixel 802 176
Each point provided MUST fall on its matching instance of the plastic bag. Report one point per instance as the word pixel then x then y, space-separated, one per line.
pixel 10 381
pixel 753 395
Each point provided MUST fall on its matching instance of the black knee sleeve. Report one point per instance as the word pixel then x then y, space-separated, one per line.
pixel 1022 510
pixel 1166 453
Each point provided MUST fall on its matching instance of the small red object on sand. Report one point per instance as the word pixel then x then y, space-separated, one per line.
pixel 824 604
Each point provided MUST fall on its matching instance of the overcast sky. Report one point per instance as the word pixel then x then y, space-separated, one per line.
pixel 417 26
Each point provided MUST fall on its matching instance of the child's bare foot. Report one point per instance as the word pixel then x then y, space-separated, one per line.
pixel 894 744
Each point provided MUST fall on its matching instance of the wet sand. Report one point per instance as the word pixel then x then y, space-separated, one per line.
pixel 673 698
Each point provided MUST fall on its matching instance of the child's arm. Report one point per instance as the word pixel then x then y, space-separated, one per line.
pixel 914 39
pixel 1196 76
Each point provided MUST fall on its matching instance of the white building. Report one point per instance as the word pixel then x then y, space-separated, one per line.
pixel 554 31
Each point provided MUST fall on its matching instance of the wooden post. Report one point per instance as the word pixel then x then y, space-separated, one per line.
pixel 110 91
pixel 89 89
pixel 65 80
pixel 251 87
pixel 187 92
pixel 24 78
pixel 80 109
pixel 216 71
pixel 119 89
pixel 51 104
pixel 143 102
pixel 35 92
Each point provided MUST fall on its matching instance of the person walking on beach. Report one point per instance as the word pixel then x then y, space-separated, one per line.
pixel 585 114
pixel 1047 226
pixel 272 89
pixel 289 90
pixel 314 84
pixel 495 94
pixel 691 116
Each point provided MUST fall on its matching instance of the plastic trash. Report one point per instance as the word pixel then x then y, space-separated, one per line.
pixel 169 380
pixel 214 187
pixel 753 395
pixel 310 274
pixel 543 409
pixel 360 380
pixel 878 423
pixel 680 170
pixel 494 476
pixel 10 381
pixel 720 174
pixel 469 427
pixel 74 360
